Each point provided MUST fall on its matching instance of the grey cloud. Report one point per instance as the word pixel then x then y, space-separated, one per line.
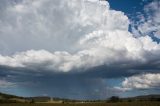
pixel 65 85
pixel 6 84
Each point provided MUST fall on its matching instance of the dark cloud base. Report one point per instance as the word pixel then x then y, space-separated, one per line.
pixel 88 84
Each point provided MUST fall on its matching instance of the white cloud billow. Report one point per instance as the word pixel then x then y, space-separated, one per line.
pixel 144 81
pixel 62 35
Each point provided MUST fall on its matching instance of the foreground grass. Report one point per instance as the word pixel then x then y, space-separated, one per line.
pixel 89 104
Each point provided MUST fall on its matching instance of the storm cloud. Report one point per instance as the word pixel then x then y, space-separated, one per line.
pixel 76 44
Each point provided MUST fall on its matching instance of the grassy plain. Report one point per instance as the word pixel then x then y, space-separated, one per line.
pixel 87 104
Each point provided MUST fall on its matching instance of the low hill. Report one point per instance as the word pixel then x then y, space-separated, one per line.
pixel 148 97
pixel 7 98
pixel 39 99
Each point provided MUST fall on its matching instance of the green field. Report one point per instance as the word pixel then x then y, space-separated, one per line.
pixel 89 104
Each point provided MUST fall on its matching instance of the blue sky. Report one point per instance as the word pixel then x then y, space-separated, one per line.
pixel 132 9
pixel 129 7
pixel 82 49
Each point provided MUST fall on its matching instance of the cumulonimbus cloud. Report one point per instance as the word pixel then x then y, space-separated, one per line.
pixel 41 37
pixel 100 36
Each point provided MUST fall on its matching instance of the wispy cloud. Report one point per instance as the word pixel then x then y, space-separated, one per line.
pixel 6 84
pixel 148 23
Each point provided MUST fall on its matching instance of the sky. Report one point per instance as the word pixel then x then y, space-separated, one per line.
pixel 80 49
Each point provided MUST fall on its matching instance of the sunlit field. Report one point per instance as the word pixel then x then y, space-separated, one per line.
pixel 89 104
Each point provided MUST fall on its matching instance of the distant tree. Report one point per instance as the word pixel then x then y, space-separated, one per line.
pixel 114 99
pixel 32 101
pixel 63 102
pixel 130 100
pixel 158 99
